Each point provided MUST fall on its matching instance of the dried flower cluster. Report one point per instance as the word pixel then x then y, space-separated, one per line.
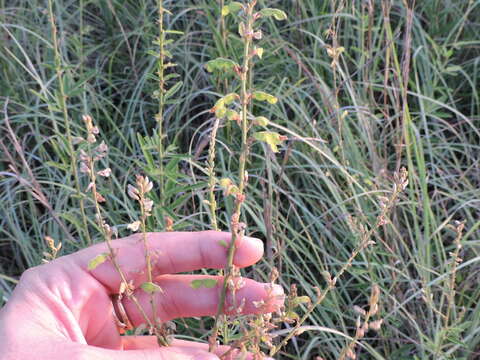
pixel 364 323
pixel 53 250
pixel 89 156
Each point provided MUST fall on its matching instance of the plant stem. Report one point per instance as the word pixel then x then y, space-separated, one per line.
pixel 211 176
pixel 63 106
pixel 364 242
pixel 148 259
pixel 223 30
pixel 244 98
pixel 108 240
pixel 161 99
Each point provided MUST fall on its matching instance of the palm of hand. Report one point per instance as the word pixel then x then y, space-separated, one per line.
pixel 62 310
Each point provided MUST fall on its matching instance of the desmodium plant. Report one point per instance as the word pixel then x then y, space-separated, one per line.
pixel 263 334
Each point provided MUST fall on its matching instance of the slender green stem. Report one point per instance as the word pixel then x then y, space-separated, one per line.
pixel 161 99
pixel 64 109
pixel 223 30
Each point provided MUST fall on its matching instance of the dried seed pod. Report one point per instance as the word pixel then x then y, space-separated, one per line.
pixel 133 192
pixel 376 325
pixel 105 172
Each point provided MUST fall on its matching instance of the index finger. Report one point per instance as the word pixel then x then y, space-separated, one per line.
pixel 171 252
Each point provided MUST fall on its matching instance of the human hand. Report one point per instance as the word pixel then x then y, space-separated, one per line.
pixel 61 310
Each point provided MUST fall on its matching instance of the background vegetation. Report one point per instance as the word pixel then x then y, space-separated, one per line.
pixel 403 92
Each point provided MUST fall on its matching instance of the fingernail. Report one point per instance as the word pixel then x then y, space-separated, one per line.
pixel 254 241
pixel 277 290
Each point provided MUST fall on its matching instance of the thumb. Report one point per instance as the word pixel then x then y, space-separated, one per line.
pixel 163 353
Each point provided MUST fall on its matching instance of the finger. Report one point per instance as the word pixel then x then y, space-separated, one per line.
pixel 180 299
pixel 150 342
pixel 159 353
pixel 171 252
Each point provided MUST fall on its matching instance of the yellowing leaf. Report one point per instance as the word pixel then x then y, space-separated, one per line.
pixel 150 287
pixel 276 13
pixel 225 10
pixel 263 96
pixel 97 260
pixel 228 99
pixel 229 187
pixel 232 115
pixel 225 182
pixel 261 120
pixel 220 112
pixel 292 315
pixel 220 103
pixel 259 52
pixel 272 139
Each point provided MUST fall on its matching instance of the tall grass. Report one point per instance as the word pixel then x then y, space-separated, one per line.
pixel 403 92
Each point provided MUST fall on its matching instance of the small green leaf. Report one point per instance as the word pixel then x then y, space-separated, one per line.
pixel 173 90
pixel 273 139
pixel 301 300
pixel 276 13
pixel 196 284
pixel 176 32
pixel 232 8
pixel 208 283
pixel 263 96
pixel 220 64
pixel 153 53
pixel 453 69
pixel 150 287
pixel 97 260
pixel 169 77
pixel 223 243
